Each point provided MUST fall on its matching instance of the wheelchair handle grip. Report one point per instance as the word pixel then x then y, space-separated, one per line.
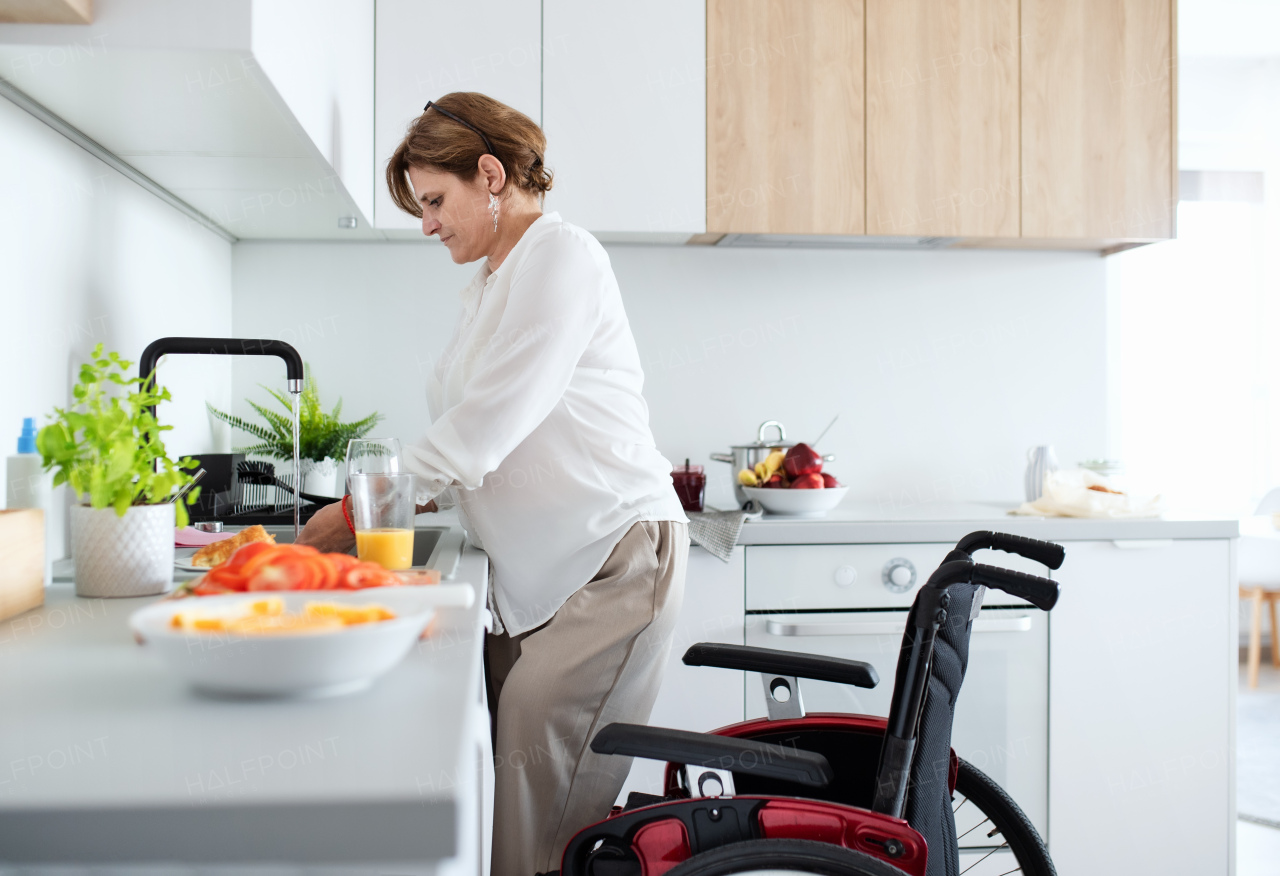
pixel 1040 592
pixel 1045 552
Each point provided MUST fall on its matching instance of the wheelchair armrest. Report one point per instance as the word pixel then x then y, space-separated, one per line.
pixel 834 669
pixel 721 752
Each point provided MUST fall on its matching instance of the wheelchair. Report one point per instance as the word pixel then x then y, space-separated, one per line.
pixel 831 793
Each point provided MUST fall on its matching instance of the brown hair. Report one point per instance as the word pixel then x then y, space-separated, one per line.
pixel 438 142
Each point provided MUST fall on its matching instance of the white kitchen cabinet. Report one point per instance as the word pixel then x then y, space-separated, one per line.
pixel 1142 680
pixel 428 49
pixel 256 116
pixel 319 56
pixel 624 109
pixel 693 697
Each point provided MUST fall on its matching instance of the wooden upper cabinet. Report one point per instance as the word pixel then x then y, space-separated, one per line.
pixel 1098 119
pixel 785 116
pixel 942 118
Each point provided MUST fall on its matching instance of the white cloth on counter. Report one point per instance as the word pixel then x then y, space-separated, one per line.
pixel 539 425
pixel 717 531
pixel 1067 494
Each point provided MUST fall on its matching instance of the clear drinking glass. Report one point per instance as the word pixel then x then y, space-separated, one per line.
pixel 373 456
pixel 382 510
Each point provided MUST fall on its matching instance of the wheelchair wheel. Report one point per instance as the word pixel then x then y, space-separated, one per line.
pixel 995 836
pixel 781 856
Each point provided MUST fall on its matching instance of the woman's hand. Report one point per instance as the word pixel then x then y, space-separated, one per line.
pixel 327 531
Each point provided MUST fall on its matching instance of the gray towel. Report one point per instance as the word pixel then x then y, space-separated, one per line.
pixel 717 531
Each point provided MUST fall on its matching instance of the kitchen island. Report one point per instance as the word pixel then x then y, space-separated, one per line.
pixel 108 761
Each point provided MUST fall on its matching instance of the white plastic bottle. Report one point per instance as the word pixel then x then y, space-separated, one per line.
pixel 27 485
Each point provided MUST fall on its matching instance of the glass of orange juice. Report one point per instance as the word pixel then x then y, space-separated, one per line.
pixel 382 511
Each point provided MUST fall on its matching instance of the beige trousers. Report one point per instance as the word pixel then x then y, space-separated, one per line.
pixel 598 660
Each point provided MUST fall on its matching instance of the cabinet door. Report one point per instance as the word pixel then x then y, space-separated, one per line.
pixel 428 49
pixel 624 108
pixel 694 697
pixel 942 117
pixel 785 116
pixel 319 57
pixel 1098 119
pixel 1142 679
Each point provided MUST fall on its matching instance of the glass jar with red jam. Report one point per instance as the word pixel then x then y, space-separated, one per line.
pixel 691 485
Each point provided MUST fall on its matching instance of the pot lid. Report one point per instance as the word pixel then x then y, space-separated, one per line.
pixel 760 441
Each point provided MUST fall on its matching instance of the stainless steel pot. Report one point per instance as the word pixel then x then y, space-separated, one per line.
pixel 747 455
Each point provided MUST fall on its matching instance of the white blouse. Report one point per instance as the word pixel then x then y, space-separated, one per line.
pixel 538 423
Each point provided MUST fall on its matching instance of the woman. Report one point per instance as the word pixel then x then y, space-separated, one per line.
pixel 540 432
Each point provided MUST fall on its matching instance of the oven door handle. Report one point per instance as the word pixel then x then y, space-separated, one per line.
pixel 1017 624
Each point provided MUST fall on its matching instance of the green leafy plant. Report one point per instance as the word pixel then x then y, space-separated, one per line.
pixel 320 435
pixel 106 446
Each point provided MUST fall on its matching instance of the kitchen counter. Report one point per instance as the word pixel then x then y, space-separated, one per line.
pixel 107 759
pixel 878 524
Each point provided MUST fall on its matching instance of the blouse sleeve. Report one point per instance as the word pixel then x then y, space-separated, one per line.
pixel 553 310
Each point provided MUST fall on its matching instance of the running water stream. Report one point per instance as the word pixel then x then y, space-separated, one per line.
pixel 297 468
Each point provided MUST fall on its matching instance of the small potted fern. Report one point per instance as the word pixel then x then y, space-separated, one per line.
pixel 106 446
pixel 322 437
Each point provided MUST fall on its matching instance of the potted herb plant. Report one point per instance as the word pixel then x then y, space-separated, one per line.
pixel 106 446
pixel 322 437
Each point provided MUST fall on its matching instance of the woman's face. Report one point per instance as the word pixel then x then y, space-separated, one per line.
pixel 457 210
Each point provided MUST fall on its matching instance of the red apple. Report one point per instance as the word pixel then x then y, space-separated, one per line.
pixel 811 481
pixel 829 480
pixel 801 460
pixel 775 483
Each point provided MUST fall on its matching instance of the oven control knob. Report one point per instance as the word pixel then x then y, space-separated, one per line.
pixel 846 576
pixel 898 575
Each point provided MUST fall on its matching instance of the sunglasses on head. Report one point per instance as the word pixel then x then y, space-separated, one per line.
pixel 444 112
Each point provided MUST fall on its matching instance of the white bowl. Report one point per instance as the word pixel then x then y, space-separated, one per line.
pixel 797 503
pixel 299 664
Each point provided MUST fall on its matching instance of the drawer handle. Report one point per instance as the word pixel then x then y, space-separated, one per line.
pixel 1016 624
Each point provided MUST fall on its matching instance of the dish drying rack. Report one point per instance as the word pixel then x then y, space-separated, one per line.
pixel 259 495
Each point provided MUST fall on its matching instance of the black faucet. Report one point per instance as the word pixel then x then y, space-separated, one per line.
pixel 222 347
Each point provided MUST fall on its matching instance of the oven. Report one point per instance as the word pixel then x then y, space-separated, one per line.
pixel 851 601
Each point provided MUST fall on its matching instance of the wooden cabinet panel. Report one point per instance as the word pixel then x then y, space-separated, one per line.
pixel 785 116
pixel 1098 119
pixel 942 117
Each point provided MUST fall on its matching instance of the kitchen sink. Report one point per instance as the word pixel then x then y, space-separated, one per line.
pixel 434 547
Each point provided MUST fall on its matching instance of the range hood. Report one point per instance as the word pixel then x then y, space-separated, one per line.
pixel 834 241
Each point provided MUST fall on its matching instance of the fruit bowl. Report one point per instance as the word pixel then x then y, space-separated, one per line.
pixel 796 503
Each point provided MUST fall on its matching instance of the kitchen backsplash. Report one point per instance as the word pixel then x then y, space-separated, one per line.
pixel 90 257
pixel 943 366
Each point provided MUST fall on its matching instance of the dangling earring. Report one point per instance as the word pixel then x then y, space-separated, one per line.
pixel 493 209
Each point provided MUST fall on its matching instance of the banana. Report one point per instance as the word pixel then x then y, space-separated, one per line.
pixel 773 461
pixel 748 478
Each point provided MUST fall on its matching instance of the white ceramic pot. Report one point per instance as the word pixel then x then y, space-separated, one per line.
pixel 123 556
pixel 320 478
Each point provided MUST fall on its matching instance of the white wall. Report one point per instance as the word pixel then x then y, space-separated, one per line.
pixel 86 256
pixel 944 366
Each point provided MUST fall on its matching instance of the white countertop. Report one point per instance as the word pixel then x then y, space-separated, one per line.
pixel 879 524
pixel 106 757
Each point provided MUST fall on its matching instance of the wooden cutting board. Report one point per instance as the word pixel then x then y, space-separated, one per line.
pixel 21 561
